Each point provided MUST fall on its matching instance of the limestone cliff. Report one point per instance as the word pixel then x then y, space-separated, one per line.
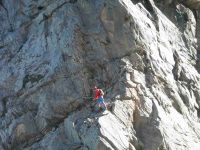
pixel 144 54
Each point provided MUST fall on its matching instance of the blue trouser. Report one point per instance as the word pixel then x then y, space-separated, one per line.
pixel 100 100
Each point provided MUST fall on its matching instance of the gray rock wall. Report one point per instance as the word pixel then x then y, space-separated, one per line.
pixel 143 54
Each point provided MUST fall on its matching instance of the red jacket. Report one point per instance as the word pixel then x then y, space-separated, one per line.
pixel 96 94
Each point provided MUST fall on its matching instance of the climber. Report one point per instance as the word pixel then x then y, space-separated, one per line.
pixel 98 95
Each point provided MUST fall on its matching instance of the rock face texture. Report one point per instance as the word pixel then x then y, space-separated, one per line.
pixel 143 54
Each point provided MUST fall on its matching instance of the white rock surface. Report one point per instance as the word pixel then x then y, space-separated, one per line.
pixel 143 54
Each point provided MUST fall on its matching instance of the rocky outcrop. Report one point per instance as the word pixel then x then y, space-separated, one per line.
pixel 143 54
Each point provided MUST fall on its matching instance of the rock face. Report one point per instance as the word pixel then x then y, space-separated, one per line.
pixel 143 54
